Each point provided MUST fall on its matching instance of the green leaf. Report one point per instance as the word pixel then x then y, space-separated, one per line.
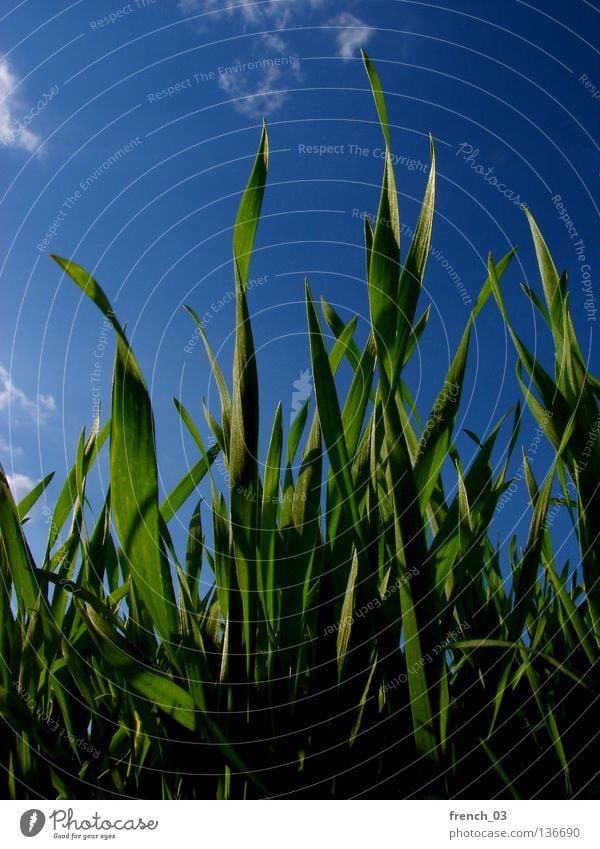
pixel 189 482
pixel 68 494
pixel 329 411
pixel 413 270
pixel 29 501
pixel 220 380
pixel 134 474
pixel 243 449
pixel 248 215
pixel 551 282
pixel 377 90
pixel 18 556
pixel 347 618
pixel 270 504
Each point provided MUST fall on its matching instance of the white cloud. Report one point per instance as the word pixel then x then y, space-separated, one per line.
pixel 251 94
pixel 186 6
pixel 274 42
pixel 260 91
pixel 356 34
pixel 11 131
pixel 20 485
pixel 48 403
pixel 9 450
pixel 12 396
pixel 277 12
pixel 257 92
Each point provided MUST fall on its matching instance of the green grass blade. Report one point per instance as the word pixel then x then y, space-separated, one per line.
pixel 551 282
pixel 413 270
pixel 134 474
pixel 248 215
pixel 31 499
pixel 270 505
pixel 329 411
pixel 18 556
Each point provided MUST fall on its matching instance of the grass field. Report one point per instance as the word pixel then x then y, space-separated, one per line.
pixel 363 635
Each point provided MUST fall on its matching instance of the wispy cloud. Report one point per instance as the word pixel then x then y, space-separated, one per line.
pixel 188 6
pixel 20 485
pixel 12 132
pixel 8 450
pixel 356 34
pixel 262 90
pixel 274 41
pixel 278 12
pixel 258 92
pixel 12 396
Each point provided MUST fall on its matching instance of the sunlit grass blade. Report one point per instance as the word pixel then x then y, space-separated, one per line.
pixel 553 285
pixel 30 500
pixel 243 450
pixel 219 378
pixel 246 222
pixel 413 270
pixel 270 504
pixel 190 481
pixel 436 438
pixel 18 556
pixel 68 494
pixel 134 473
pixel 329 411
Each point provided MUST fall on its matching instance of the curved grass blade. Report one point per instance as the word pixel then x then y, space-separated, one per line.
pixel 29 501
pixel 413 270
pixel 134 473
pixel 243 449
pixel 18 555
pixel 246 222
pixel 190 481
pixel 68 493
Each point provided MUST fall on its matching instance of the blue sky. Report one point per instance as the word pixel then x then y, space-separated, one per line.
pixel 127 131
